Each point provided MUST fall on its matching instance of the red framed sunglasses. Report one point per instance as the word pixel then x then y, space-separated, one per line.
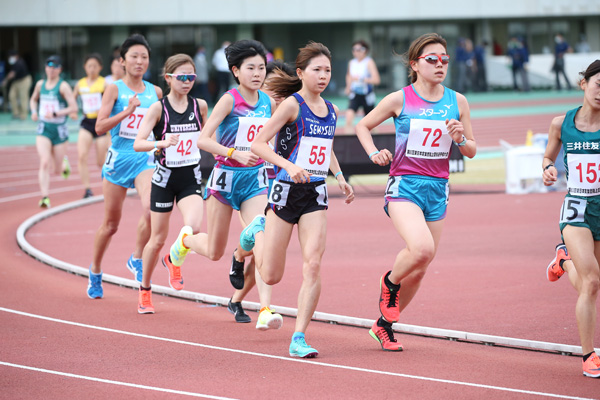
pixel 434 58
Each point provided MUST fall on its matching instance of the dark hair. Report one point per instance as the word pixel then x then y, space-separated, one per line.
pixel 592 69
pixel 133 40
pixel 361 43
pixel 280 65
pixel 285 86
pixel 416 50
pixel 238 51
pixel 94 56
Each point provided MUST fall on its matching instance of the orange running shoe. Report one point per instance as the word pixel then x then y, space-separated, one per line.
pixel 554 270
pixel 175 278
pixel 145 302
pixel 591 367
pixel 388 301
pixel 385 337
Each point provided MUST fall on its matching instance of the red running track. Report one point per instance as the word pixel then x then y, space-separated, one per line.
pixel 488 277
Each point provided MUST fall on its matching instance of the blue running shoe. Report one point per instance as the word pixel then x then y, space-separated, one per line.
pixel 299 348
pixel 94 289
pixel 249 232
pixel 135 266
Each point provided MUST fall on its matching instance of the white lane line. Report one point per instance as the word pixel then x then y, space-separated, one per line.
pixel 289 359
pixel 52 191
pixel 109 381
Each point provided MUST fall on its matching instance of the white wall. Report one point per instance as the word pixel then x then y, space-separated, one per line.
pixel 136 12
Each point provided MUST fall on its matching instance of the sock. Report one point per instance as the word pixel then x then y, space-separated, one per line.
pixel 297 336
pixel 383 323
pixel 389 284
pixel 145 288
pixel 585 357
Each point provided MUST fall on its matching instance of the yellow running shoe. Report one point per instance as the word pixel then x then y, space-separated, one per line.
pixel 44 202
pixel 267 319
pixel 66 168
pixel 178 250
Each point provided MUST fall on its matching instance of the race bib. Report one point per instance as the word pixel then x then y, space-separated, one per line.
pixel 428 139
pixel 185 152
pixel 248 128
pixel 47 107
pixel 161 176
pixel 131 123
pixel 279 193
pixel 221 180
pixel 584 174
pixel 91 102
pixel 263 177
pixel 314 155
pixel 111 156
pixel 391 189
pixel 572 210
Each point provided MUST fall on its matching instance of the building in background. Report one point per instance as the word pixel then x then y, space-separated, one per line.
pixel 73 28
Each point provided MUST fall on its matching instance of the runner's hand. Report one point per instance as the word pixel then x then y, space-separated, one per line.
pixel 247 158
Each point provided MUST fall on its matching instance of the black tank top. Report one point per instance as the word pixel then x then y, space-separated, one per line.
pixel 173 122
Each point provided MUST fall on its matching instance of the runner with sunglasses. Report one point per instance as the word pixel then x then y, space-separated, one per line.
pixel 51 102
pixel 428 118
pixel 124 104
pixel 239 179
pixel 175 122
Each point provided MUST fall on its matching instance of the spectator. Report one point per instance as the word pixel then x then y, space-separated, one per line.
pixel 583 46
pixel 480 72
pixel 561 47
pixel 465 59
pixel 18 93
pixel 219 61
pixel 519 55
pixel 201 84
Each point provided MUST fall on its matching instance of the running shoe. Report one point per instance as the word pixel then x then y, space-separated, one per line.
pixel 299 348
pixel 145 302
pixel 175 278
pixel 178 250
pixel 267 319
pixel 385 337
pixel 388 301
pixel 94 289
pixel 591 367
pixel 237 310
pixel 249 232
pixel 88 193
pixel 135 266
pixel 66 168
pixel 554 270
pixel 236 273
pixel 44 202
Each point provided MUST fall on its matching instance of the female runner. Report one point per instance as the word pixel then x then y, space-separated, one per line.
pixel 124 105
pixel 578 132
pixel 428 118
pixel 305 125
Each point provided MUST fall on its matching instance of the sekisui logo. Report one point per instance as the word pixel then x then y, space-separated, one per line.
pixel 164 205
pixel 192 115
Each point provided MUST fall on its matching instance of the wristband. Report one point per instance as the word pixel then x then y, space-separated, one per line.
pixel 373 153
pixel 338 173
pixel 230 152
pixel 548 166
pixel 463 143
pixel 155 145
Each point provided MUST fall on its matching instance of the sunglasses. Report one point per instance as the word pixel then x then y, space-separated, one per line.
pixel 52 64
pixel 434 58
pixel 184 77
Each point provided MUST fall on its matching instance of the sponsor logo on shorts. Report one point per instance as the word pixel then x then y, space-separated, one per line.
pixel 164 205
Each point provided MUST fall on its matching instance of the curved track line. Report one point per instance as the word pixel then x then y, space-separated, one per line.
pixel 288 359
pixel 291 312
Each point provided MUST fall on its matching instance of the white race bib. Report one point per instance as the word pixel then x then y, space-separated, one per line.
pixel 314 155
pixel 572 210
pixel 161 176
pixel 131 123
pixel 584 174
pixel 186 152
pixel 248 128
pixel 279 193
pixel 47 107
pixel 221 180
pixel 428 139
pixel 91 102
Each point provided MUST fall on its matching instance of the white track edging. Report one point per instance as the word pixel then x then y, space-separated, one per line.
pixel 291 312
